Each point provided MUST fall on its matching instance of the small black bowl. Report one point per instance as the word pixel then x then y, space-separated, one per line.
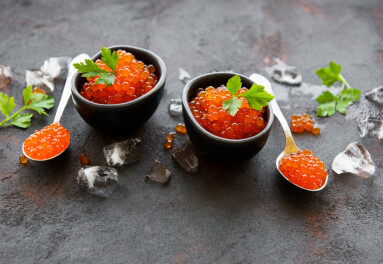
pixel 124 118
pixel 210 145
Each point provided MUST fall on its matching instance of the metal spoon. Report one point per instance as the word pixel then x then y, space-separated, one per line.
pixel 64 98
pixel 290 146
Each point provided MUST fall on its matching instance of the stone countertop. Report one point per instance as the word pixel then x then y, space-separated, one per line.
pixel 244 213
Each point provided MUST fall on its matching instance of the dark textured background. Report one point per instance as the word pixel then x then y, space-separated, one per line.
pixel 239 214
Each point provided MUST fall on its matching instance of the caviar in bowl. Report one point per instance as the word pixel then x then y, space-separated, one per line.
pixel 113 114
pixel 212 143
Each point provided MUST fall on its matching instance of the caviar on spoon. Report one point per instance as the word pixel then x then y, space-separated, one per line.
pixel 300 167
pixel 54 139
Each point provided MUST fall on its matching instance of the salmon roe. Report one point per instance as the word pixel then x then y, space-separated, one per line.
pixel 300 123
pixel 207 110
pixel 47 142
pixel 133 78
pixel 304 169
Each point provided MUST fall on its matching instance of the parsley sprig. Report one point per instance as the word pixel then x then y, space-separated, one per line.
pixel 329 103
pixel 90 69
pixel 256 96
pixel 33 101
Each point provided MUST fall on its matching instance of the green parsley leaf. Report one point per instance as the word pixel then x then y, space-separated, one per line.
pixel 350 94
pixel 232 105
pixel 27 94
pixel 331 74
pixel 234 84
pixel 326 97
pixel 90 69
pixel 6 104
pixel 329 102
pixel 257 97
pixel 22 120
pixel 109 58
pixel 32 101
pixel 341 106
pixel 39 102
pixel 326 109
pixel 106 78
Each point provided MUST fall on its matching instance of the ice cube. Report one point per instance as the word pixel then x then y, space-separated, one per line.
pixel 175 107
pixel 183 76
pixel 5 76
pixel 44 78
pixel 375 95
pixel 186 158
pixel 37 78
pixel 371 126
pixel 283 73
pixel 55 66
pixel 354 159
pixel 122 153
pixel 158 172
pixel 362 109
pixel 98 180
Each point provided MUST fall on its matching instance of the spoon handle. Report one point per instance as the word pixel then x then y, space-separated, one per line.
pixel 67 91
pixel 290 144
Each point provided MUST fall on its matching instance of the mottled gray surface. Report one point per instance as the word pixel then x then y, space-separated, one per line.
pixel 223 214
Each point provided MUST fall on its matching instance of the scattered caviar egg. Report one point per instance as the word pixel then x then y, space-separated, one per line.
pixel 304 169
pixel 39 90
pixel 23 160
pixel 300 123
pixel 133 78
pixel 170 136
pixel 47 143
pixel 169 140
pixel 207 110
pixel 181 129
pixel 84 159
pixel 168 144
pixel 315 130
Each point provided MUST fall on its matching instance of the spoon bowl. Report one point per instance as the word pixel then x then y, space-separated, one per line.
pixel 290 146
pixel 277 164
pixel 63 101
pixel 25 154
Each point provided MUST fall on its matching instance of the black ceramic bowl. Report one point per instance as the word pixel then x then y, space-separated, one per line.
pixel 127 117
pixel 210 145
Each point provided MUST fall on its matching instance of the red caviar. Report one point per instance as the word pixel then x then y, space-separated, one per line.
pixel 47 142
pixel 207 110
pixel 304 169
pixel 133 78
pixel 300 123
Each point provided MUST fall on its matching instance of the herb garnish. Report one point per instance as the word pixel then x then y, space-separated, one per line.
pixel 90 69
pixel 329 103
pixel 32 101
pixel 256 96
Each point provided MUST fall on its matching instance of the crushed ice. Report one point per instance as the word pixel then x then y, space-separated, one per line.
pixel 98 180
pixel 183 75
pixel 5 76
pixel 44 78
pixel 175 107
pixel 354 159
pixel 285 74
pixel 158 172
pixel 375 95
pixel 371 126
pixel 122 153
pixel 186 158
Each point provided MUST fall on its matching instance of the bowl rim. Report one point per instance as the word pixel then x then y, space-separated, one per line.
pixel 185 104
pixel 160 83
